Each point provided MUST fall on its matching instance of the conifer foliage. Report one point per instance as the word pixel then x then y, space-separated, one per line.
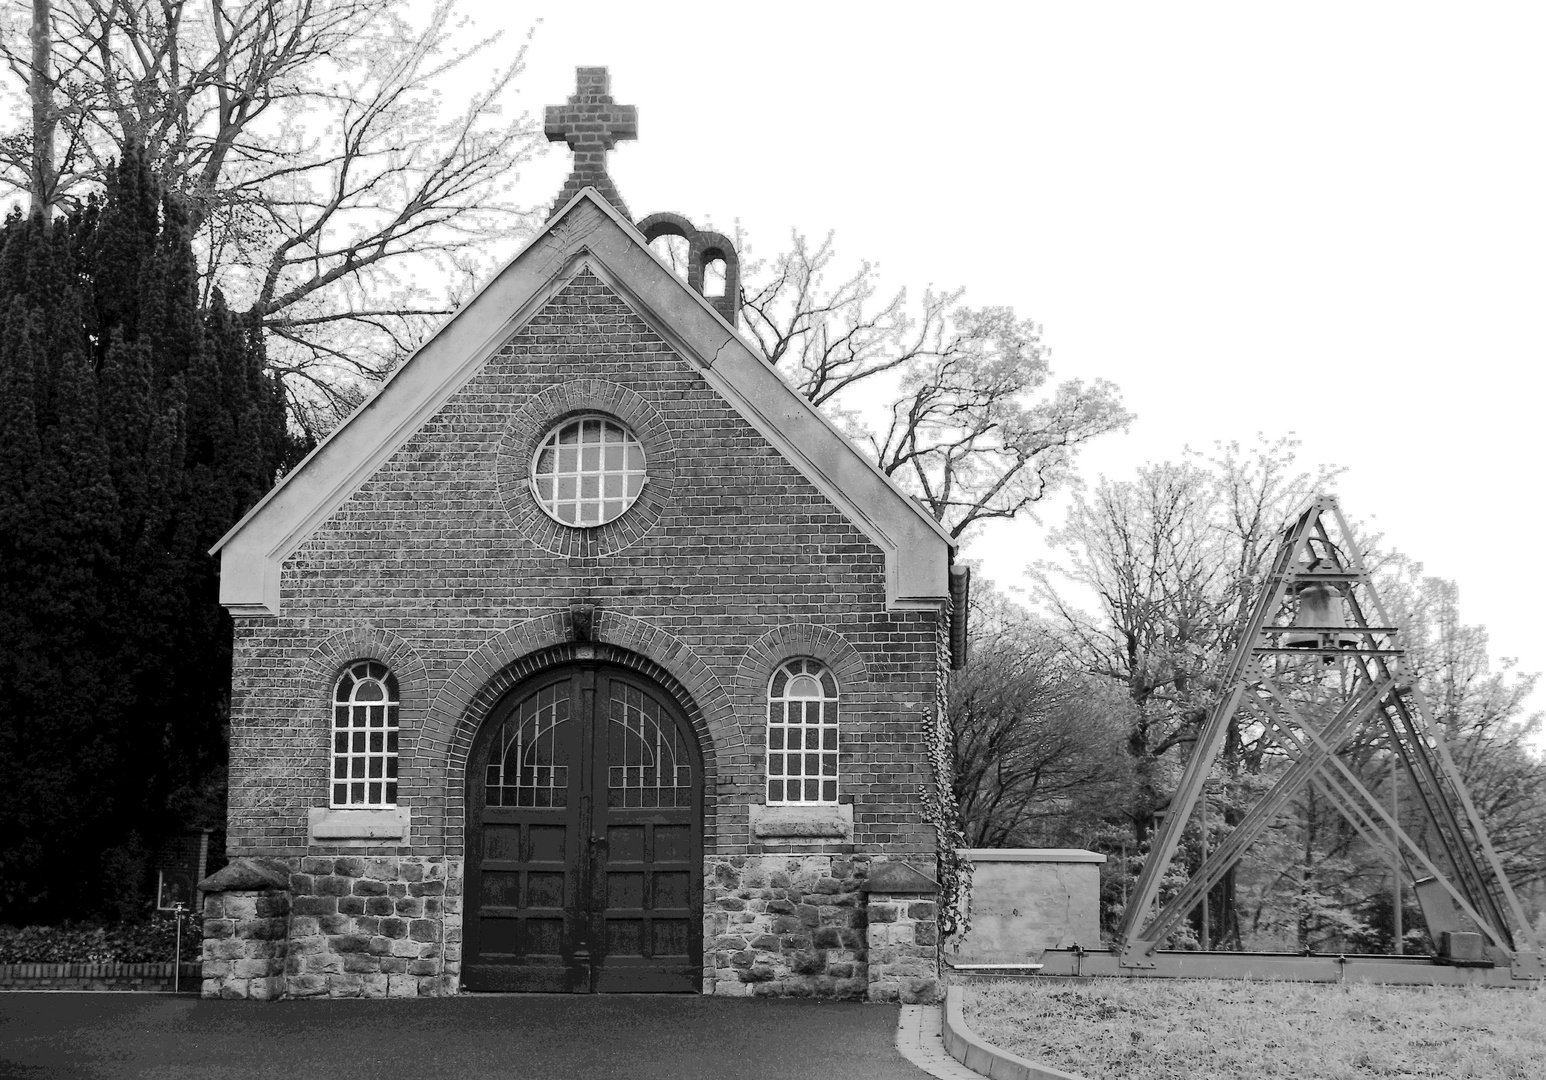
pixel 136 426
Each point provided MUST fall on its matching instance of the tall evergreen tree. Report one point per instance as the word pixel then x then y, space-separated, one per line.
pixel 135 428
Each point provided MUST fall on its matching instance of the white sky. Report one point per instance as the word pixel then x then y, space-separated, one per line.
pixel 1318 218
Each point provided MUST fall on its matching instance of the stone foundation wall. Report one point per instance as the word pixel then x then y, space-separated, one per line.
pixel 802 926
pixel 346 926
pixel 374 927
pixel 785 926
pixel 245 942
pixel 774 926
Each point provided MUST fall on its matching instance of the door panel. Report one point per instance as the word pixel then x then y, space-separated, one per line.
pixel 584 867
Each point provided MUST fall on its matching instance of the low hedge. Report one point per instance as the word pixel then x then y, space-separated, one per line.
pixel 142 943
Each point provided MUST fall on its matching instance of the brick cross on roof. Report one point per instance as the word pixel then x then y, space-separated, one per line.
pixel 591 123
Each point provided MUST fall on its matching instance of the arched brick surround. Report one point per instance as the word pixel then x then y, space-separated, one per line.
pixel 471 692
pixel 528 427
pixel 319 673
pixel 801 639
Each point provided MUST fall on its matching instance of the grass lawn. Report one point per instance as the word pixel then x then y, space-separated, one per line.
pixel 1119 1029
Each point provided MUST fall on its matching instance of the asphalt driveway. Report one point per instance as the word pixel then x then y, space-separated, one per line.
pixel 554 1036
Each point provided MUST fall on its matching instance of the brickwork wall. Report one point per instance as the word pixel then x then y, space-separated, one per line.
pixel 434 559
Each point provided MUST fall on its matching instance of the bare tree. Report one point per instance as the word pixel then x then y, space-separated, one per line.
pixel 1038 746
pixel 1173 559
pixel 313 144
pixel 976 430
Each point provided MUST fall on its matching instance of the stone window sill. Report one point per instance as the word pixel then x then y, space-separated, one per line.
pixel 833 823
pixel 356 827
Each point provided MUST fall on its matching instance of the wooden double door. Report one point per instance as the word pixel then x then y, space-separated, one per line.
pixel 584 868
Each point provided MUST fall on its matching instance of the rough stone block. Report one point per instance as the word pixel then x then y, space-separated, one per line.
pixel 409 907
pixel 361 963
pixel 423 930
pixel 402 986
pixel 352 905
pixel 251 969
pixel 394 928
pixel 369 887
pixel 394 965
pixel 344 985
pixel 304 926
pixel 348 866
pixel 349 943
pixel 807 963
pixel 882 913
pixel 375 985
pixel 381 869
pixel 333 885
pixel 315 905
pixel 309 985
pixel 335 924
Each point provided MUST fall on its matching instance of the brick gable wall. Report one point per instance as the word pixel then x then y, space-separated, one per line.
pixel 435 556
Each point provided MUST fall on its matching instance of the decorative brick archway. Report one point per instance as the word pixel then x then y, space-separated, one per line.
pixel 468 695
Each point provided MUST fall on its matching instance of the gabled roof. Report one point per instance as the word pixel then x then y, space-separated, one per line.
pixel 587 234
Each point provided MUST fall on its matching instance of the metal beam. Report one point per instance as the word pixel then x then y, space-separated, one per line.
pixel 1281 967
pixel 1313 747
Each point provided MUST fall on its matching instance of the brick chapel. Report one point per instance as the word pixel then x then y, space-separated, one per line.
pixel 585 656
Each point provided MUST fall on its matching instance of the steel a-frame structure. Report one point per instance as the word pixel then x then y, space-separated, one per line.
pixel 1312 689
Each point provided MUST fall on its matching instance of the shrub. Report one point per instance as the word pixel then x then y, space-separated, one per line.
pixel 128 943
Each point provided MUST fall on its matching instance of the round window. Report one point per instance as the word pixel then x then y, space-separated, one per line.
pixel 587 471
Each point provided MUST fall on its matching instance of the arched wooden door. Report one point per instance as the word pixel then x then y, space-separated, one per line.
pixel 584 867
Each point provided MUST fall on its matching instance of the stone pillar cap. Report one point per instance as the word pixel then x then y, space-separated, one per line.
pixel 246 875
pixel 899 878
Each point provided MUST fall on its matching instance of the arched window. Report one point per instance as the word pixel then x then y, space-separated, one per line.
pixel 365 736
pixel 802 734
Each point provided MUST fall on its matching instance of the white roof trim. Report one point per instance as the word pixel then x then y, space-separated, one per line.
pixel 253 551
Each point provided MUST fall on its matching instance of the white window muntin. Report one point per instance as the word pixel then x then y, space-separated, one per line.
pixel 802 734
pixel 587 471
pixel 365 705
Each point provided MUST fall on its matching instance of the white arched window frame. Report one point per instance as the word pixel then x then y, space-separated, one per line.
pixel 802 734
pixel 365 707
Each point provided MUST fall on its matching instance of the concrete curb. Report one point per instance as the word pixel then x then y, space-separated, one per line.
pixel 964 1044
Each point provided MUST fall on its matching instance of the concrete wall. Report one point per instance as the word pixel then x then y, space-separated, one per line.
pixel 1026 900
